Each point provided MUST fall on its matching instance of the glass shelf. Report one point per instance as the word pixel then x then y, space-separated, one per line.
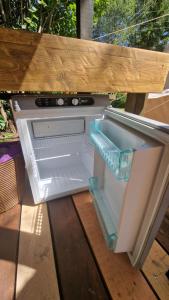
pixel 102 211
pixel 118 160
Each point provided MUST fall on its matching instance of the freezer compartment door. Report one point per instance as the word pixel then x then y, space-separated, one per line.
pixel 50 128
pixel 126 187
pixel 29 158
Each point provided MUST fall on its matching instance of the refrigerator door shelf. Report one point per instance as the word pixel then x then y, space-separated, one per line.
pixel 102 210
pixel 118 160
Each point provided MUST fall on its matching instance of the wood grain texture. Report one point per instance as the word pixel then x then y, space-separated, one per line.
pixel 155 267
pixel 36 275
pixel 157 109
pixel 43 62
pixel 163 234
pixel 123 281
pixel 77 270
pixel 9 237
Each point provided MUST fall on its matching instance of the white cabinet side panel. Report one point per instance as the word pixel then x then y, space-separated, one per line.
pixel 29 158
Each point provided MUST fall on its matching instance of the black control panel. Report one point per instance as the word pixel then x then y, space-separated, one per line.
pixel 64 101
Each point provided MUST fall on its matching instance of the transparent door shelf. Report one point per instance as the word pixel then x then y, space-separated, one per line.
pixel 102 211
pixel 118 160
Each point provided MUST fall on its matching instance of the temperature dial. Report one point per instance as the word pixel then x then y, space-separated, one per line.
pixel 75 101
pixel 60 102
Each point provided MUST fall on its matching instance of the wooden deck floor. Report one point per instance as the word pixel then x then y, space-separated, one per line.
pixel 56 251
pixel 163 234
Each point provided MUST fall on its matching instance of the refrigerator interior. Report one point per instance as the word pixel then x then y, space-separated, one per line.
pixel 63 155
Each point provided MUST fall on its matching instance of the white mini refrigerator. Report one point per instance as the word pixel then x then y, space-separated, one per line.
pixel 121 158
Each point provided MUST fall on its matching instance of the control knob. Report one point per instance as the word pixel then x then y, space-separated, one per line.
pixel 60 101
pixel 75 101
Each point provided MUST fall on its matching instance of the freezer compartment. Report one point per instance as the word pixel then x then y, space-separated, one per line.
pixel 103 212
pixel 48 128
pixel 117 158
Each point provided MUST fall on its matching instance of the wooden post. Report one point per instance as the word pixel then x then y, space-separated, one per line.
pixel 135 103
pixel 84 14
pixel 78 18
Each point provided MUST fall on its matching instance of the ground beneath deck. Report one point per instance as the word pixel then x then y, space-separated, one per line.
pixel 57 251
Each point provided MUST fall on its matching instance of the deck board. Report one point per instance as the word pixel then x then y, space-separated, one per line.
pixel 36 275
pixel 9 238
pixel 123 281
pixel 155 267
pixel 78 274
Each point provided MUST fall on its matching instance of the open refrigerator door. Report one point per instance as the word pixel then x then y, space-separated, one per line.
pixel 130 180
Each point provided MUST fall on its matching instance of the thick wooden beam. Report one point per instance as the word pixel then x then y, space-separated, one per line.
pixel 43 62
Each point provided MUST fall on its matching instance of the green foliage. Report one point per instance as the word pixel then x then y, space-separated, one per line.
pixel 7 127
pixel 120 100
pixel 7 108
pixel 111 15
pixel 5 114
pixel 2 123
pixel 50 16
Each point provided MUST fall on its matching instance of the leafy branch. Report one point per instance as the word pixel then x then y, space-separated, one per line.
pixel 51 16
pixel 7 127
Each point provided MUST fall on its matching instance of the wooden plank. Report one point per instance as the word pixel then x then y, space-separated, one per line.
pixel 78 273
pixel 9 237
pixel 43 62
pixel 163 234
pixel 36 275
pixel 123 281
pixel 157 109
pixel 155 267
